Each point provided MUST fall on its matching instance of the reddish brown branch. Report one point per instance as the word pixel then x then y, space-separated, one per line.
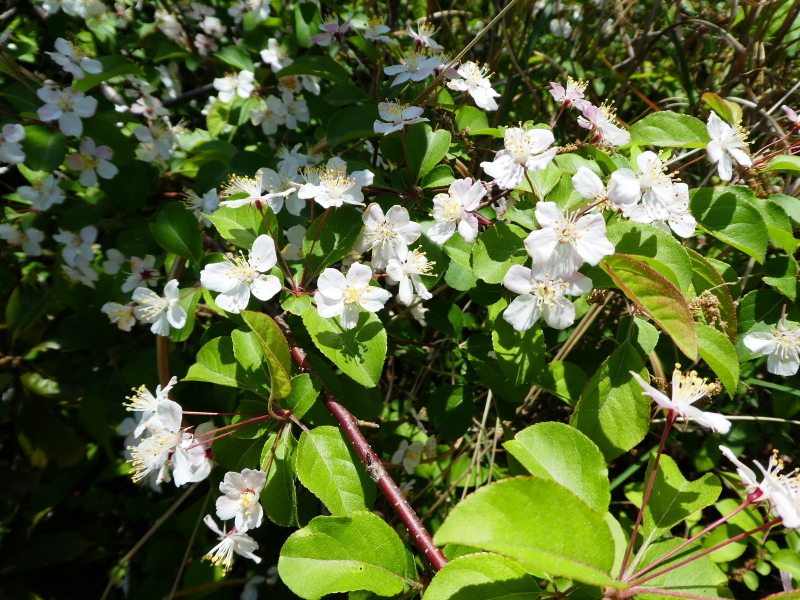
pixel 371 461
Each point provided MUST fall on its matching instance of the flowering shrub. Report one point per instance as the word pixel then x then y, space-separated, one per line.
pixel 404 322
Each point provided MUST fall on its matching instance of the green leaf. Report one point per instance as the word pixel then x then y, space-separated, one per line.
pixel 564 380
pixel 612 411
pixel 306 19
pixel 359 352
pixel 275 351
pixel 235 57
pixel 218 116
pixel 785 164
pixel 673 498
pixel 44 148
pixel 305 391
pixel 335 231
pixel 279 496
pixel 667 128
pixel 543 181
pixel 250 359
pixel 700 577
pixel 647 242
pixel 177 231
pixel 482 577
pixel 439 176
pixel 520 354
pixel 496 249
pixel 241 226
pixel 235 454
pixel 658 296
pixel 706 277
pixel 489 371
pixel 727 110
pixel 731 219
pixel 472 118
pixel 787 560
pixel 779 227
pixel 352 123
pixel 344 93
pixel 216 363
pixel 346 553
pixel 717 350
pixel 789 204
pixel 450 410
pixel 446 317
pixel 542 450
pixel 425 148
pixel 113 66
pixel 523 518
pixel 639 333
pixel 332 471
pixel 318 66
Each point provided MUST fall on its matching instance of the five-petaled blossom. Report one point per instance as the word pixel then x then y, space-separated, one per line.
pixel 602 120
pixel 423 36
pixel 408 454
pixel 474 80
pixel 457 208
pixel 686 390
pixel 567 241
pixel 42 193
pixel 572 95
pixel 523 150
pixel 376 28
pixel 235 84
pixel 341 296
pixel 142 273
pixel 652 186
pixel 160 311
pixel 792 115
pixel 332 187
pixel 398 116
pixel 236 278
pixel 240 501
pixel 680 218
pixel 146 403
pixel 68 106
pixel 542 290
pixel 77 244
pixel 29 240
pixel 151 456
pixel 121 314
pixel 202 205
pixel 386 234
pixel 221 555
pixel 91 161
pixel 10 148
pixel 780 490
pixel 74 60
pixel 405 269
pixel 782 346
pixel 726 142
pixel 330 31
pixel 415 66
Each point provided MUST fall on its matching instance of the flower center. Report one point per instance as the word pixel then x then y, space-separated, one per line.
pixel 353 294
pixel 418 263
pixel 336 181
pixel 142 400
pixel 247 498
pixel 241 270
pixel 65 102
pixel 687 389
pixel 452 209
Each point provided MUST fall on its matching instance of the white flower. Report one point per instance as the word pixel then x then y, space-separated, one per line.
pixel 686 390
pixel 474 80
pixel 572 95
pixel 652 186
pixel 457 208
pixel 237 278
pixel 170 26
pixel 405 269
pixel 340 296
pixel 726 142
pixel 415 66
pixel 398 116
pixel 68 106
pixel 28 240
pixel 376 29
pixel 282 187
pixel 192 461
pixel 296 110
pixel 330 30
pixel 560 28
pixel 300 159
pixel 160 311
pixel 74 60
pixel 567 242
pixel 221 555
pixel 240 501
pixel 159 135
pixel 269 114
pixel 146 403
pixel 121 314
pixel 385 235
pixel 42 193
pixel 91 162
pixel 418 311
pixel 782 347
pixel 114 260
pixel 780 490
pixel 406 487
pixel 524 150
pixel 152 453
pixel 408 454
pixel 235 84
pixel 10 147
pixel 295 84
pixel 212 26
pixel 77 244
pixel 198 11
pixel 542 291
pixel 80 271
pixel 424 36
pixel 680 218
pixel 603 121
pixel 201 206
pixel 150 106
pixel 793 117
pixel 332 187
pixel 142 273
pixel 294 249
pixel 260 10
pixel 205 45
pixel 276 55
pixel 589 185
